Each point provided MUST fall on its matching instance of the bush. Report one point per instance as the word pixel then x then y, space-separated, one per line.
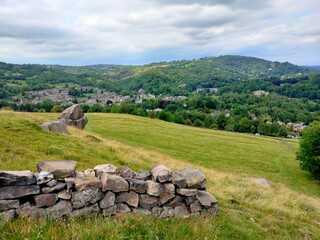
pixel 309 154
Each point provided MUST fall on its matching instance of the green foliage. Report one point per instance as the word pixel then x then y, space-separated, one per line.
pixel 57 108
pixel 309 154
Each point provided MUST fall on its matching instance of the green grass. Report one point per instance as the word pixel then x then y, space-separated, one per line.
pixel 241 154
pixel 288 210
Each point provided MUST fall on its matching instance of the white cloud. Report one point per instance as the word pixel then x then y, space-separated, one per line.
pixel 87 31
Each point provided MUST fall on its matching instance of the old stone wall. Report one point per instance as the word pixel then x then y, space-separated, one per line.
pixel 57 190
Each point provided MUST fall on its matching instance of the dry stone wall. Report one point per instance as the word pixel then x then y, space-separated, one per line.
pixel 57 190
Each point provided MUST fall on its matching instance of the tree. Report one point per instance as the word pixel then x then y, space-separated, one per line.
pixel 309 154
pixel 57 108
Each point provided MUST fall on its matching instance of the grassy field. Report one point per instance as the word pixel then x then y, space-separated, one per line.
pixel 290 209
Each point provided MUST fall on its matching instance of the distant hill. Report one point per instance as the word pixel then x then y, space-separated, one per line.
pixel 315 69
pixel 170 78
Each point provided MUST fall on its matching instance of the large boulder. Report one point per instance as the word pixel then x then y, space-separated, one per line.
pixel 56 127
pixel 60 168
pixel 74 116
pixel 189 177
pixel 17 178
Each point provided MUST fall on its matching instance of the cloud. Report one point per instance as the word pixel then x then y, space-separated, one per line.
pixel 130 31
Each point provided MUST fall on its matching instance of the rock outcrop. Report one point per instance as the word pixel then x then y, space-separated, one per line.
pixel 73 116
pixel 59 191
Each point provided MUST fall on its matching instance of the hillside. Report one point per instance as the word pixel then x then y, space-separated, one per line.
pixel 173 78
pixel 290 209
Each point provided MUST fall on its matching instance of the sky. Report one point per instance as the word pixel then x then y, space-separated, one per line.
pixel 83 32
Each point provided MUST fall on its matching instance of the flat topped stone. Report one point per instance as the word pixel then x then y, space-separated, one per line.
pixel 87 183
pixel 161 173
pixel 17 178
pixel 113 183
pixel 55 126
pixel 105 168
pixel 60 168
pixel 193 178
pixel 12 192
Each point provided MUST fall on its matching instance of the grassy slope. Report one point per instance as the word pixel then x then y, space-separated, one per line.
pixel 248 211
pixel 241 154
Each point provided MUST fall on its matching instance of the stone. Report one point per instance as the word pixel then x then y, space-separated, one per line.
pixel 108 200
pixel 44 177
pixel 59 168
pixel 131 198
pixel 18 191
pixel 73 112
pixel 113 183
pixel 89 172
pixel 190 200
pixel 180 211
pixel 87 183
pixel 126 173
pixel 187 191
pixel 154 189
pixel 168 188
pixel 177 201
pixel 105 168
pixel 28 211
pixel 80 199
pixel 52 183
pixel 161 173
pixel 195 207
pixel 142 211
pixel 110 211
pixel 74 116
pixel 57 187
pixel 69 182
pixel 56 127
pixel 194 178
pixel 205 198
pixel 45 200
pixel 7 215
pixel 89 211
pixel 210 211
pixel 17 178
pixel 138 186
pixel 59 210
pixel 167 212
pixel 260 181
pixel 64 194
pixel 143 175
pixel 178 180
pixel 156 211
pixel 9 204
pixel 79 174
pixel 147 202
pixel 165 197
pixel 122 208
